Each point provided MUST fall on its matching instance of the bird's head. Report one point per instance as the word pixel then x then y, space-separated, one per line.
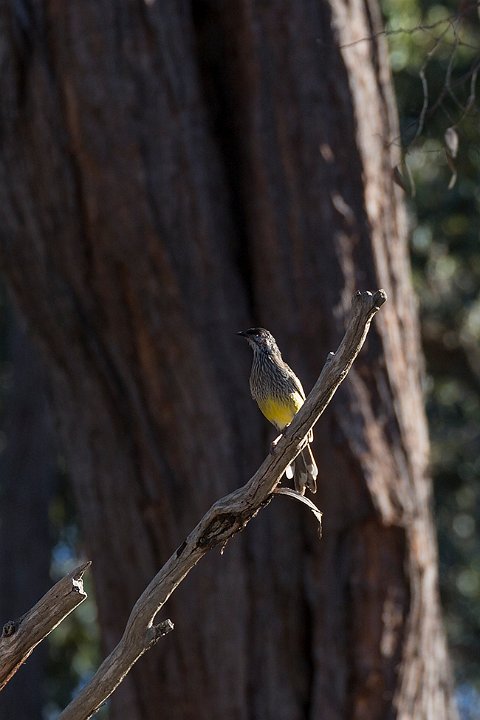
pixel 260 339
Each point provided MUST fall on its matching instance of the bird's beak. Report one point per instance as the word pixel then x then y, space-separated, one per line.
pixel 242 333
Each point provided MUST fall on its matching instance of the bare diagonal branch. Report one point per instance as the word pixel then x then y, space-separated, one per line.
pixel 226 517
pixel 20 637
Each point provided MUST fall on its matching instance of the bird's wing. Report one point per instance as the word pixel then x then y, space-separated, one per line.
pixel 297 385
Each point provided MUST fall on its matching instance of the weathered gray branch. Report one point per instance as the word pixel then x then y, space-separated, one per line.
pixel 20 637
pixel 226 517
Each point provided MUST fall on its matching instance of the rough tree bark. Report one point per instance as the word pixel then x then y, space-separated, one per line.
pixel 173 172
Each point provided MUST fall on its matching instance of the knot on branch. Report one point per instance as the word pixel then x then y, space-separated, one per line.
pixel 10 628
pixel 155 632
pixel 226 524
pixel 219 526
pixel 181 548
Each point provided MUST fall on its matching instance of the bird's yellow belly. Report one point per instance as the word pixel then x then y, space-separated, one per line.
pixel 280 412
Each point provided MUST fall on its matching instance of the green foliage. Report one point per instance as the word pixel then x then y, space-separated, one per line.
pixel 446 266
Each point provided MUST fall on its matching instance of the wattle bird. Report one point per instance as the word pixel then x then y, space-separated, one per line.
pixel 279 395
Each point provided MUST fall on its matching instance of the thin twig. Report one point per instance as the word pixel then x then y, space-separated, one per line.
pixel 453 23
pixel 423 78
pixel 472 96
pixel 411 31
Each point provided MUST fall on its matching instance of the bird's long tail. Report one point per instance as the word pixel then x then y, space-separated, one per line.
pixel 305 471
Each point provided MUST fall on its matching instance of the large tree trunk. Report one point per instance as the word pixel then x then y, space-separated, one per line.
pixel 174 172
